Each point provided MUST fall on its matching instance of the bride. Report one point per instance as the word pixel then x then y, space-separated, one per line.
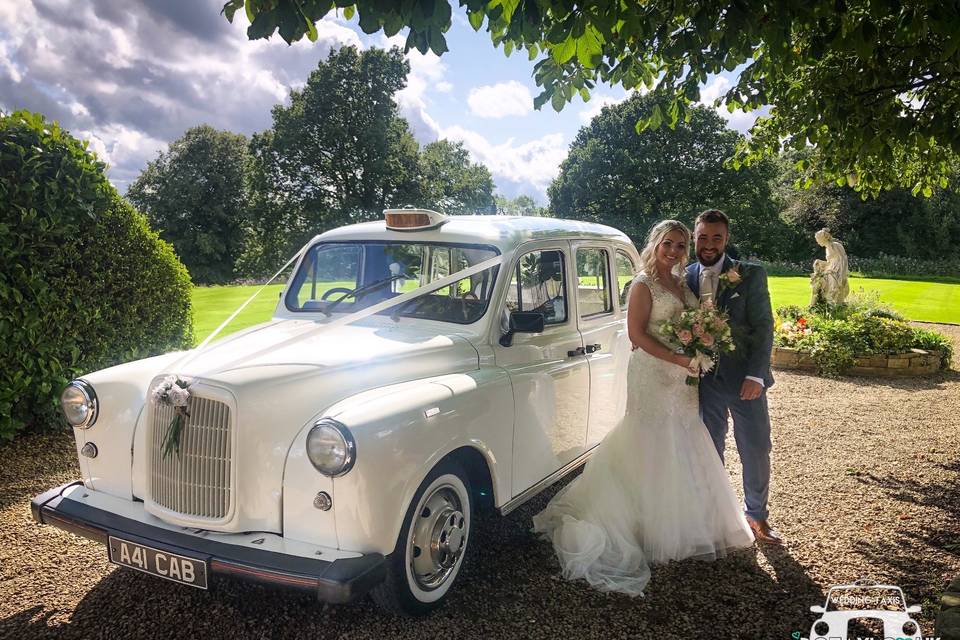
pixel 655 489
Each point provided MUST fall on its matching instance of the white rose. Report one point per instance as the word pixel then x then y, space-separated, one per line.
pixel 179 396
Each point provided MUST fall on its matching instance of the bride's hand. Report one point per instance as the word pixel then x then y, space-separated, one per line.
pixel 686 362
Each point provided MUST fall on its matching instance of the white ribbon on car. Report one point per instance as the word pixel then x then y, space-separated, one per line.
pixel 349 319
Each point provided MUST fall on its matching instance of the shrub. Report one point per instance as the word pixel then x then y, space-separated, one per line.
pixel 84 282
pixel 835 335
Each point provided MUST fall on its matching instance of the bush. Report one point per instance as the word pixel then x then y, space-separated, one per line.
pixel 84 282
pixel 835 335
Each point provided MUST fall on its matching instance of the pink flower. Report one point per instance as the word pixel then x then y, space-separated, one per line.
pixel 733 277
pixel 685 336
pixel 698 329
pixel 707 304
pixel 707 339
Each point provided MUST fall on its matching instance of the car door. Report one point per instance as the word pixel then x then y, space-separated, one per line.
pixel 603 327
pixel 548 371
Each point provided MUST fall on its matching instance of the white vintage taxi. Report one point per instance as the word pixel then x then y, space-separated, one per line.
pixel 415 370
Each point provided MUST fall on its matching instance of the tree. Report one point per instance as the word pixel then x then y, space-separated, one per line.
pixel 339 153
pixel 195 195
pixel 895 223
pixel 629 180
pixel 449 182
pixel 522 205
pixel 873 85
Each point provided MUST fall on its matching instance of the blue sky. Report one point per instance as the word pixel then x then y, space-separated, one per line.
pixel 132 77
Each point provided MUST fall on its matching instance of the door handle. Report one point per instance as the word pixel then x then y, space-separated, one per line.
pixel 579 351
pixel 593 347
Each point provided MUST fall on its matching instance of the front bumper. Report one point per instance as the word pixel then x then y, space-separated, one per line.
pixel 337 581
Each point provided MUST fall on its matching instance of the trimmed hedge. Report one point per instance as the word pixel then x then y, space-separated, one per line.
pixel 84 282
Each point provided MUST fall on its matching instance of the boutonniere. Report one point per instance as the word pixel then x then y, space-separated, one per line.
pixel 731 277
pixel 172 391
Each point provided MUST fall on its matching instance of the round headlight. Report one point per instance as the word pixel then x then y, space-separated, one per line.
pixel 79 404
pixel 331 448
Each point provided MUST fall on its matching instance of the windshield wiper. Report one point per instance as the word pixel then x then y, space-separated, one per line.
pixel 366 289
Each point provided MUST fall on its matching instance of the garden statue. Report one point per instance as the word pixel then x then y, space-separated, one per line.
pixel 829 280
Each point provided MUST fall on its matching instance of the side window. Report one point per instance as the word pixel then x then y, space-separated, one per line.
pixel 538 285
pixel 593 282
pixel 625 274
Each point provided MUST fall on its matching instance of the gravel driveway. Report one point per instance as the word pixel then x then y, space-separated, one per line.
pixel 866 484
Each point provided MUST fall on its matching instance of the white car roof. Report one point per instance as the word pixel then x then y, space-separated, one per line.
pixel 503 232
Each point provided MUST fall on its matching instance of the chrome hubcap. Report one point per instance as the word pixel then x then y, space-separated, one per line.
pixel 439 534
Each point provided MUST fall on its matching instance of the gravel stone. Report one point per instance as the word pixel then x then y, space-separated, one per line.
pixel 866 484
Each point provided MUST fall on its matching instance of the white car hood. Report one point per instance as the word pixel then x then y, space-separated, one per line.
pixel 304 342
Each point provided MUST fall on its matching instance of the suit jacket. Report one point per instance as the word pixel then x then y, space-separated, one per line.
pixel 751 322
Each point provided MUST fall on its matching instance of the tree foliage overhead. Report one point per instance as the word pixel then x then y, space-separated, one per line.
pixel 615 176
pixel 874 85
pixel 196 195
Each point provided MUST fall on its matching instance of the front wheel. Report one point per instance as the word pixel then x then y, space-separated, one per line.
pixel 432 543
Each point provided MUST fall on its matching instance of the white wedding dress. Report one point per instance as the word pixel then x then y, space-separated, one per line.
pixel 655 489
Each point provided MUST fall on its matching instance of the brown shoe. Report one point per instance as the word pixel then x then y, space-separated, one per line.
pixel 763 533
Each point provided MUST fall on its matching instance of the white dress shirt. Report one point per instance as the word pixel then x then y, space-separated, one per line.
pixel 714 271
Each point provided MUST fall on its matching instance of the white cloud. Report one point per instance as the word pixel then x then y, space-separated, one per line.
pixel 131 79
pixel 716 88
pixel 427 73
pixel 596 105
pixel 500 100
pixel 535 163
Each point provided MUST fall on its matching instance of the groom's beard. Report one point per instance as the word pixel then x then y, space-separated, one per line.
pixel 709 263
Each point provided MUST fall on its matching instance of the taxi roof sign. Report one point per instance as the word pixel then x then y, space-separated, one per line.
pixel 413 219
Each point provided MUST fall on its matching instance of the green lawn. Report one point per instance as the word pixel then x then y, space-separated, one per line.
pixel 917 300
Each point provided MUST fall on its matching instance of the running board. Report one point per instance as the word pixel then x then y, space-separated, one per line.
pixel 546 482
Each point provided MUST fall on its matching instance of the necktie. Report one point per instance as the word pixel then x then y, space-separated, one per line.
pixel 708 287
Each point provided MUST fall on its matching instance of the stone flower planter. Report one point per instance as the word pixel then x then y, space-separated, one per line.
pixel 916 362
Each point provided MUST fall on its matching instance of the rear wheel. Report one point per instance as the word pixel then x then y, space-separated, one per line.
pixel 432 543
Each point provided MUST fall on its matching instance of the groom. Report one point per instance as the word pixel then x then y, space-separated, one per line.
pixel 737 385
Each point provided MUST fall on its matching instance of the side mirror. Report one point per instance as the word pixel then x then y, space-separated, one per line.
pixel 817 609
pixel 914 609
pixel 523 322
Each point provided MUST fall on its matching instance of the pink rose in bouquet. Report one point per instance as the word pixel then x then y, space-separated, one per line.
pixel 702 334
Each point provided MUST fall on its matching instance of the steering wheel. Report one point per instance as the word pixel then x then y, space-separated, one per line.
pixel 330 292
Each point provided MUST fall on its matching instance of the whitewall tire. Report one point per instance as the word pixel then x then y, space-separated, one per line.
pixel 432 544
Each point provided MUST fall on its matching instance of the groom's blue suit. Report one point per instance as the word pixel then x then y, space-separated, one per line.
pixel 751 322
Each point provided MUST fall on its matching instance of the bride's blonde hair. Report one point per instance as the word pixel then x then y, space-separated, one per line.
pixel 648 257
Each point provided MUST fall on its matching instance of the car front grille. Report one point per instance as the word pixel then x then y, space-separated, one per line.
pixel 197 482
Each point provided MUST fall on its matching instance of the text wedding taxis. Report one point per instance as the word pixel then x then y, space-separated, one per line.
pixel 416 370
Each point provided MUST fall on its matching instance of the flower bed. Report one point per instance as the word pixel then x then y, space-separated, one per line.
pixel 862 337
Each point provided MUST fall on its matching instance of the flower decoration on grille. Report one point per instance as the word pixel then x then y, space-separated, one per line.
pixel 173 391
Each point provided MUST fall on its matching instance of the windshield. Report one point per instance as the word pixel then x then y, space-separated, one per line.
pixel 344 277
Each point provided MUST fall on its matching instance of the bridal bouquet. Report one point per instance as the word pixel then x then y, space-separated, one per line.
pixel 702 334
pixel 172 391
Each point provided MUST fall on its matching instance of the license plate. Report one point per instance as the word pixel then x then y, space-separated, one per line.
pixel 181 569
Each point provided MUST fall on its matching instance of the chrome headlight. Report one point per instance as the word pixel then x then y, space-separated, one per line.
pixel 331 448
pixel 79 404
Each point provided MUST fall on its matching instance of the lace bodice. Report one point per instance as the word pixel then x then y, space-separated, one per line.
pixel 665 305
